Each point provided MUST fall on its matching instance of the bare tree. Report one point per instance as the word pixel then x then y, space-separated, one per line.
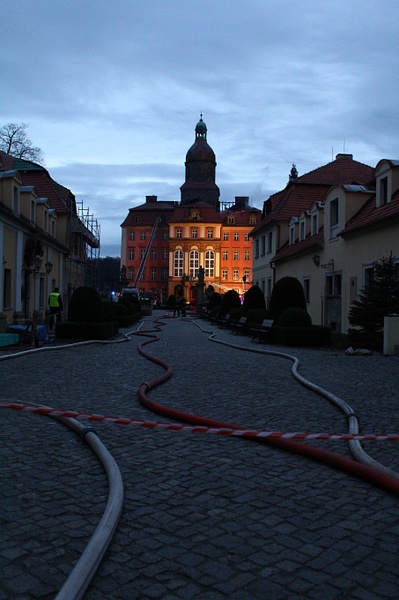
pixel 14 141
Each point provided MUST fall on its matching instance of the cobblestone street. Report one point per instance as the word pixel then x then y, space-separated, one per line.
pixel 205 516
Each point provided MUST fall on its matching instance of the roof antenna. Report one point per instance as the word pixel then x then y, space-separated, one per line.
pixel 344 145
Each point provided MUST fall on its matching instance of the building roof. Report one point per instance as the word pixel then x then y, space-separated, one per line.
pixel 32 174
pixel 301 192
pixel 371 215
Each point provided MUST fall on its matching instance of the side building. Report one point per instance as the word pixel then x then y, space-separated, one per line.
pixel 46 240
pixel 199 231
pixel 327 228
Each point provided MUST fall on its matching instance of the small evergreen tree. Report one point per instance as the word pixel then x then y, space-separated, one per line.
pixel 287 293
pixel 253 299
pixel 230 300
pixel 379 299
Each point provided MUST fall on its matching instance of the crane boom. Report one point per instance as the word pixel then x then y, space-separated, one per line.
pixel 146 252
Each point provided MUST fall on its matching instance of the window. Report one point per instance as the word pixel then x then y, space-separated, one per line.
pixel 333 218
pixel 236 237
pixel 333 285
pixel 306 288
pixel 236 255
pixel 178 232
pixel 314 224
pixel 131 254
pixel 178 263
pixel 164 254
pixel 209 263
pixel 269 242
pixel 138 218
pixel 210 233
pixel 33 211
pixel 247 255
pixel 45 220
pixel 225 255
pixel 246 237
pixel 194 232
pixel 131 235
pixel 154 254
pixel 383 190
pixel 53 227
pixel 194 263
pixel 15 205
pixel 246 275
pixel 225 236
pixel 224 275
pixel 368 276
pixel 142 235
pixel 131 273
pixel 164 273
pixel 268 289
pixel 252 220
pixel 292 235
pixel 153 273
pixel 142 252
pixel 302 231
pixel 257 248
pixel 235 274
pixel 194 216
pixel 165 236
pixel 231 220
pixel 263 245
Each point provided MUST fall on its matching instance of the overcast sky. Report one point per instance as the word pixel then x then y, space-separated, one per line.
pixel 112 91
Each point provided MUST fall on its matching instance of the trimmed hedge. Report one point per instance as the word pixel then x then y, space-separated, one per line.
pixel 71 330
pixel 315 335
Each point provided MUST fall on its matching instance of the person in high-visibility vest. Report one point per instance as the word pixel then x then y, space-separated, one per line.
pixel 55 306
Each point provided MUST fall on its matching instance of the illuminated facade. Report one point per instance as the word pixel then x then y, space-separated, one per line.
pixel 191 234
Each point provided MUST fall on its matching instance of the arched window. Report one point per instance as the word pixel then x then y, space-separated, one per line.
pixel 209 263
pixel 194 263
pixel 178 263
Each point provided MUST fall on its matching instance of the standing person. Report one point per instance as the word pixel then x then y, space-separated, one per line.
pixel 177 307
pixel 55 306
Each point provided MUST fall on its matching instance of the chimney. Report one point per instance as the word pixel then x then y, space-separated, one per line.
pixel 151 199
pixel 241 202
pixel 344 156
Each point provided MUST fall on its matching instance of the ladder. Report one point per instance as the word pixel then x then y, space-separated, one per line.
pixel 146 252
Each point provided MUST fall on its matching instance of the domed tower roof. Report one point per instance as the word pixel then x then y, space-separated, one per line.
pixel 200 129
pixel 200 171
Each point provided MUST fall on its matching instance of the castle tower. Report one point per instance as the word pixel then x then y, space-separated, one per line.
pixel 200 164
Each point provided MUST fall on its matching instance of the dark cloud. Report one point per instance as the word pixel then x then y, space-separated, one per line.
pixel 112 91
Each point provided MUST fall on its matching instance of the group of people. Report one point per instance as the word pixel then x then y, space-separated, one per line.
pixel 180 306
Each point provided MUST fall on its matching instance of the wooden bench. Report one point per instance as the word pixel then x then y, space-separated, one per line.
pixel 263 331
pixel 239 326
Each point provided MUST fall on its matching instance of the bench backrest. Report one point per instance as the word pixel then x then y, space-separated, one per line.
pixel 267 323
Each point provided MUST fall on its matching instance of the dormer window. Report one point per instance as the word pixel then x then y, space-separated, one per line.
pixel 230 220
pixel 383 189
pixel 252 220
pixel 302 232
pixel 178 232
pixel 15 205
pixel 194 216
pixel 292 234
pixel 334 216
pixel 315 225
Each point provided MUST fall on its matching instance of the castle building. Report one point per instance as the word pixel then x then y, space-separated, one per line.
pixel 176 238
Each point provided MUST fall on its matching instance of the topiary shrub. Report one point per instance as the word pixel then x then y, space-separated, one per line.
pixel 253 299
pixel 215 299
pixel 230 300
pixel 294 317
pixel 85 306
pixel 287 293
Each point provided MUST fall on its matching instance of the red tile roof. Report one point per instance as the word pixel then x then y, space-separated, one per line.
pixel 301 192
pixel 371 215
